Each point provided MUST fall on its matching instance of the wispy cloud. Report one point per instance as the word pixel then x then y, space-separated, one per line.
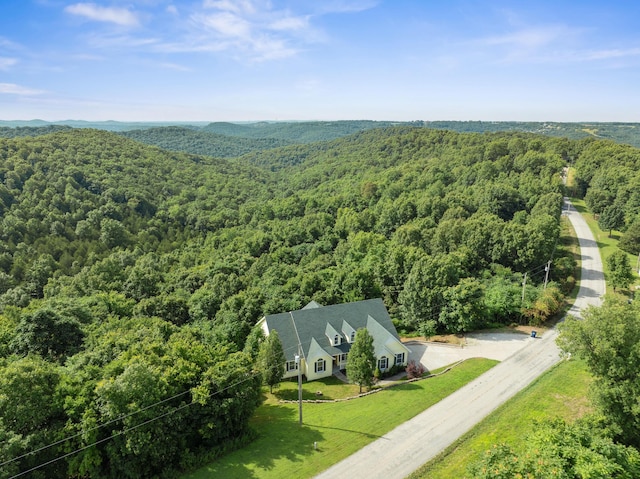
pixel 119 16
pixel 8 44
pixel 533 44
pixel 534 37
pixel 344 6
pixel 174 66
pixel 119 41
pixel 612 54
pixel 13 89
pixel 248 30
pixel 6 62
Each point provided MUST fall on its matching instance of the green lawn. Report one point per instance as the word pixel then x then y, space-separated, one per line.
pixel 561 392
pixel 606 244
pixel 286 449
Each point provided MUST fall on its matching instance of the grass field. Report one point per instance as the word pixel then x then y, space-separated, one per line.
pixel 606 244
pixel 561 392
pixel 286 449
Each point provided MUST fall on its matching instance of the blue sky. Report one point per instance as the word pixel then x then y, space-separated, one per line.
pixel 243 60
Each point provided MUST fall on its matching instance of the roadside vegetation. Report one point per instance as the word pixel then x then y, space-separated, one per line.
pixel 546 434
pixel 559 393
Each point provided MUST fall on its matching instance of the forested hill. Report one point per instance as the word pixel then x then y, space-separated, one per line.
pixel 201 142
pixel 130 276
pixel 8 132
pixel 69 199
pixel 296 132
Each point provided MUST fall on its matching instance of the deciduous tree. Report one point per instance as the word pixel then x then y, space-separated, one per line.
pixel 620 272
pixel 48 333
pixel 607 338
pixel 560 450
pixel 611 218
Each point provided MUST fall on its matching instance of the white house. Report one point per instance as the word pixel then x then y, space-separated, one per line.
pixel 324 335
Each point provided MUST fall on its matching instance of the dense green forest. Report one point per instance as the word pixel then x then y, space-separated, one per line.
pixel 131 276
pixel 202 142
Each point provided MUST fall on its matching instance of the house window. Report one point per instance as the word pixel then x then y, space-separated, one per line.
pixel 343 357
pixel 353 336
pixel 320 365
pixel 399 359
pixel 336 340
pixel 291 366
pixel 383 363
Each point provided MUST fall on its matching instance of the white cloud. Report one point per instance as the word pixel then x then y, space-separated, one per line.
pixel 237 6
pixel 250 29
pixel 6 62
pixel 119 16
pixel 174 66
pixel 533 44
pixel 8 44
pixel 344 6
pixel 116 40
pixel 613 53
pixel 13 89
pixel 534 37
pixel 226 24
pixel 290 23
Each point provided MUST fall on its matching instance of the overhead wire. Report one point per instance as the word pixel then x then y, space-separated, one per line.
pixel 119 433
pixel 119 418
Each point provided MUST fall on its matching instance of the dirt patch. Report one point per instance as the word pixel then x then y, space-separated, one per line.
pixel 455 339
pixel 461 339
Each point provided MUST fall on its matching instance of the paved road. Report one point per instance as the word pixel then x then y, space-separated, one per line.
pixel 415 442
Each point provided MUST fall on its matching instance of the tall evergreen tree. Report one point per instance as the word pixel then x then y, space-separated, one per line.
pixel 271 360
pixel 361 361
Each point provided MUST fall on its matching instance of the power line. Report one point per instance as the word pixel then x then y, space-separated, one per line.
pixel 148 421
pixel 124 416
pixel 84 431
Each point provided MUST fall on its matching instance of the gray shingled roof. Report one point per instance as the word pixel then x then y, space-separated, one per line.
pixel 312 322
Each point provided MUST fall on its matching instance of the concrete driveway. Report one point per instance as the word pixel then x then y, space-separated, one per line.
pixel 498 345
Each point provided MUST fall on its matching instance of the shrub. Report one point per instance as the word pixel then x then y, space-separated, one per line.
pixel 414 370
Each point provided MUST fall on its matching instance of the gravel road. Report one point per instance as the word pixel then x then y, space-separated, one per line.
pixel 407 447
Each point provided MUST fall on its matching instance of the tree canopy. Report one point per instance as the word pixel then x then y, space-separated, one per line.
pixel 608 339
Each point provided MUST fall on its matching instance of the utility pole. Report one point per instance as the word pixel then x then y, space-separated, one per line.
pixel 524 284
pixel 546 275
pixel 298 358
pixel 299 366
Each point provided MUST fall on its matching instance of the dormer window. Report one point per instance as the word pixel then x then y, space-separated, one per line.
pixel 353 336
pixel 336 340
